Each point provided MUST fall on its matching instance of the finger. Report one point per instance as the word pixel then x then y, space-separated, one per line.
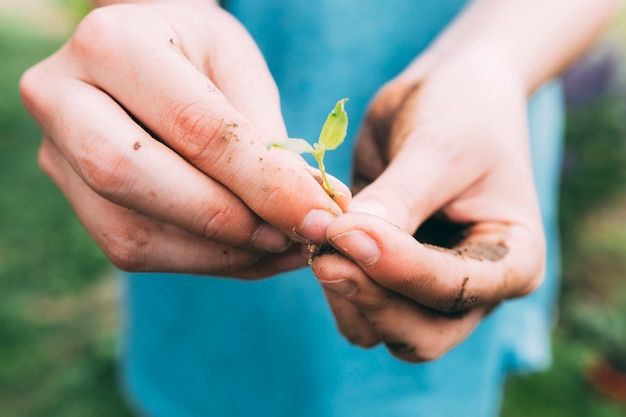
pixel 122 163
pixel 431 161
pixel 494 262
pixel 136 242
pixel 350 321
pixel 197 121
pixel 247 83
pixel 410 331
pixel 342 194
pixel 252 91
pixel 273 263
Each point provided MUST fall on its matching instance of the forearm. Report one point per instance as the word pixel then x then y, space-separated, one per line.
pixel 532 39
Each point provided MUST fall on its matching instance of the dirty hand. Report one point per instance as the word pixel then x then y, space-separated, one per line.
pixel 444 154
pixel 155 119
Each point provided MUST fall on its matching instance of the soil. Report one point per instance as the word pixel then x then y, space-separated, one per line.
pixel 319 250
pixel 444 235
pixel 482 251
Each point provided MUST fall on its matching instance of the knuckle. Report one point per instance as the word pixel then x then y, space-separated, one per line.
pixel 106 32
pixel 386 102
pixel 532 284
pixel 362 340
pixel 219 220
pixel 358 335
pixel 372 302
pixel 201 136
pixel 97 33
pixel 124 260
pixel 45 160
pixel 105 171
pixel 125 251
pixel 525 278
pixel 415 353
pixel 537 274
pixel 429 354
pixel 49 163
pixel 30 86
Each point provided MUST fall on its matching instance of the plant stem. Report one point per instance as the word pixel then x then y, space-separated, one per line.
pixel 319 157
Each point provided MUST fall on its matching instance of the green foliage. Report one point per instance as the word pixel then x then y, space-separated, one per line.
pixel 78 8
pixel 592 319
pixel 595 165
pixel 57 354
pixel 332 135
pixel 334 129
pixel 593 227
pixel 561 390
pixel 605 324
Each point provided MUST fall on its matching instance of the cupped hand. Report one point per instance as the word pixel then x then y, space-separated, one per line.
pixel 155 120
pixel 446 222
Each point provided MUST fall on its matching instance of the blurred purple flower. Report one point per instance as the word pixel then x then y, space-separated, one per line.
pixel 594 76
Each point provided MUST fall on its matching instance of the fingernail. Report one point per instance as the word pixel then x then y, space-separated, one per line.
pixel 341 287
pixel 358 245
pixel 314 226
pixel 270 239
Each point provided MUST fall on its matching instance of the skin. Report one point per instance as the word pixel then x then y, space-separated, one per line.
pixel 444 140
pixel 186 184
pixel 447 140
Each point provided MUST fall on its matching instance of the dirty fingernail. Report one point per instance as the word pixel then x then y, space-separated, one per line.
pixel 270 239
pixel 341 287
pixel 358 245
pixel 314 226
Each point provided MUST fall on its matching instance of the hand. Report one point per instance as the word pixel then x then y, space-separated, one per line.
pixel 444 152
pixel 155 119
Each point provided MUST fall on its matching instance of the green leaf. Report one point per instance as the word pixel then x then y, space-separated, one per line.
pixel 335 127
pixel 294 145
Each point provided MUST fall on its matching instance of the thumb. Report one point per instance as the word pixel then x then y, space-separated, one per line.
pixel 411 189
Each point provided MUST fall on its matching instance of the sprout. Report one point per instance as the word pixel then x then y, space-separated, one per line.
pixel 332 135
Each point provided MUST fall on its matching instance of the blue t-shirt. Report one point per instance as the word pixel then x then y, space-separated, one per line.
pixel 217 347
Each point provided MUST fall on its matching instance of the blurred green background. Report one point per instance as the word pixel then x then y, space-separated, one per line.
pixel 58 294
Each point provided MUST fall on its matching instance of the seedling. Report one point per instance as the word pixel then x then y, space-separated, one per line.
pixel 332 135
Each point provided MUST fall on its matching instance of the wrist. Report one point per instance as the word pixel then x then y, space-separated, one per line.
pixel 487 65
pixel 474 64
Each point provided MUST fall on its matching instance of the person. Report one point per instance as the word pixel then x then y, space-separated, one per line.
pixel 156 117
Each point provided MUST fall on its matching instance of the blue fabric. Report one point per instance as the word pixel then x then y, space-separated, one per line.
pixel 217 347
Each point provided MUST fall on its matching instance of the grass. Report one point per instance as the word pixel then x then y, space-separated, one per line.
pixel 59 299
